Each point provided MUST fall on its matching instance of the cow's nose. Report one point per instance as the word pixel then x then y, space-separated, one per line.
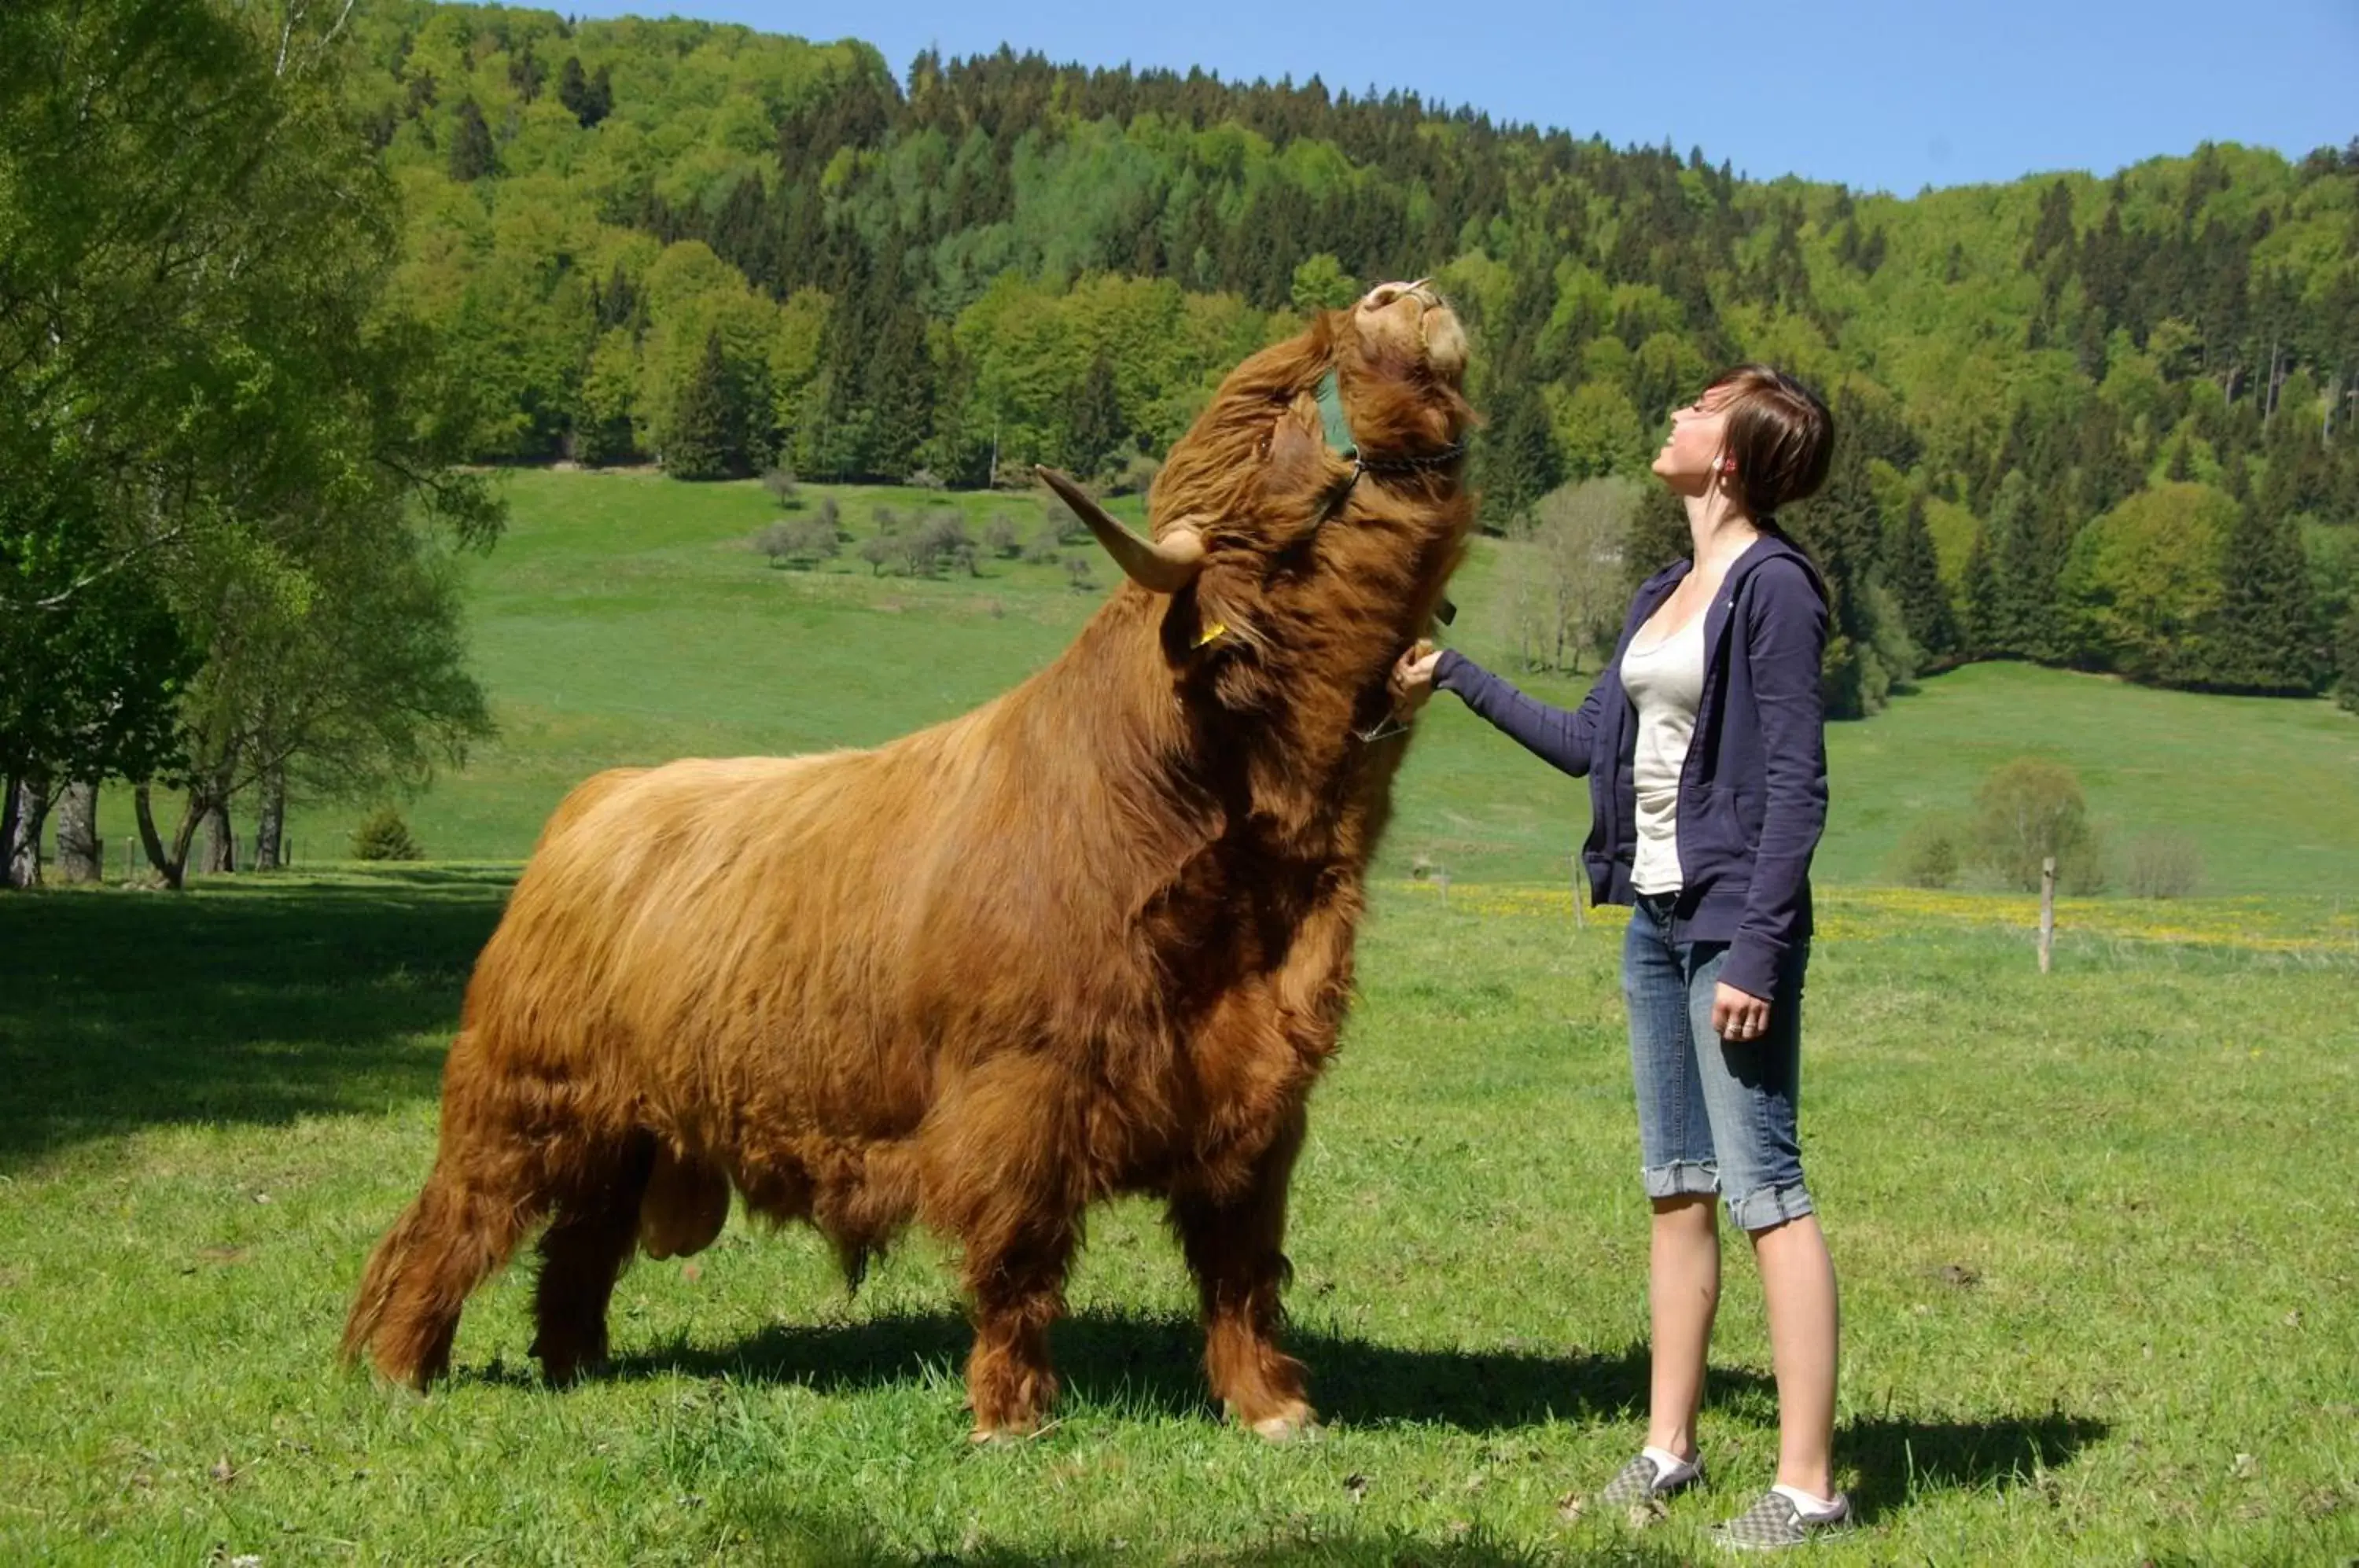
pixel 1385 294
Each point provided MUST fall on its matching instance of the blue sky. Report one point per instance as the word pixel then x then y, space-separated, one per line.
pixel 1880 96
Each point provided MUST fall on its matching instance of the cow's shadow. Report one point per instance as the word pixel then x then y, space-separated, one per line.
pixel 1153 1365
pixel 1150 1364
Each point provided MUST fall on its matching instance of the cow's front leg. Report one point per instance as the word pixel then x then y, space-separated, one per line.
pixel 1001 1178
pixel 1234 1242
pixel 1016 1279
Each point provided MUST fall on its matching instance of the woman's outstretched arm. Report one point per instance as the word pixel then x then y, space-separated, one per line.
pixel 1558 736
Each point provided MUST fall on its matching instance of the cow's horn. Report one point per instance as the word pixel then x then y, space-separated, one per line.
pixel 1163 566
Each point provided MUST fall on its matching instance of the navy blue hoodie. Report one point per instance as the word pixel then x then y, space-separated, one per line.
pixel 1752 793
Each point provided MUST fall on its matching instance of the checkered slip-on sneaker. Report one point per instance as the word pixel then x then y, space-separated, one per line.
pixel 1773 1523
pixel 1641 1482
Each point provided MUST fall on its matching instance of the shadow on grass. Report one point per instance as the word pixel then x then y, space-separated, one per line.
pixel 1151 1365
pixel 1154 1365
pixel 775 1523
pixel 1899 1458
pixel 251 999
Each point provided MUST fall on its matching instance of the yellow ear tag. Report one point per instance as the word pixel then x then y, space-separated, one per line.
pixel 1211 633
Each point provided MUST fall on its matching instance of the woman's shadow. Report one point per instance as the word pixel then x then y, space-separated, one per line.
pixel 1151 1364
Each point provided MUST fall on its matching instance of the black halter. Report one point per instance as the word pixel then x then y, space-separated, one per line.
pixel 1337 425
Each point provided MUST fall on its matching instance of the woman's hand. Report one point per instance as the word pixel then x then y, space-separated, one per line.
pixel 1412 679
pixel 1738 1015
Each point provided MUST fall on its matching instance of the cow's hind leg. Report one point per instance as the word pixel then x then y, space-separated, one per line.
pixel 589 1238
pixel 1235 1246
pixel 477 1205
pixel 449 1240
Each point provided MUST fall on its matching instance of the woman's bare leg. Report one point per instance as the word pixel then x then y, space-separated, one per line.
pixel 1798 1279
pixel 1682 1294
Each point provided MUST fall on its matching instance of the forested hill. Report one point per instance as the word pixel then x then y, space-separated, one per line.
pixel 2103 418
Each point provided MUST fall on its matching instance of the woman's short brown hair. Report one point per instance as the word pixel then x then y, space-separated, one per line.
pixel 1780 433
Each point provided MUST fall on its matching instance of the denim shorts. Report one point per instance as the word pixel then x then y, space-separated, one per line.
pixel 1714 1116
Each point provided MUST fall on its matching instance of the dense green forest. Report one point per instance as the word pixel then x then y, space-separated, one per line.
pixel 276 282
pixel 2104 422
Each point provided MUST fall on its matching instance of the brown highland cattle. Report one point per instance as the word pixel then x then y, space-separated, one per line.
pixel 1094 937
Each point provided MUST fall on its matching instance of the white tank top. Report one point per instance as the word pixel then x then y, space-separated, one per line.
pixel 1665 682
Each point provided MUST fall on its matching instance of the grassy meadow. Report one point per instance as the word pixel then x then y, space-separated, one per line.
pixel 2095 1229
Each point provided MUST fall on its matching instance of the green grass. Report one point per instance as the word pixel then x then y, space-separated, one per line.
pixel 2096 1234
pixel 2095 1230
pixel 626 618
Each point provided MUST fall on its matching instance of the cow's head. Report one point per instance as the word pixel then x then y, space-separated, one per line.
pixel 1320 493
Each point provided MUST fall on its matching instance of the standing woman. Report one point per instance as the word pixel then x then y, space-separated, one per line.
pixel 1704 745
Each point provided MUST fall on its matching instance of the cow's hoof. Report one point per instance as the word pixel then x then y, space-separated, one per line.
pixel 1296 1421
pixel 1000 1436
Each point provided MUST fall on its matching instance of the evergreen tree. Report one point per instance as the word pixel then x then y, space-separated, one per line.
pixel 472 155
pixel 739 231
pixel 707 437
pixel 1096 428
pixel 2051 535
pixel 900 396
pixel 2054 229
pixel 591 98
pixel 1986 614
pixel 1658 536
pixel 2023 587
pixel 1519 462
pixel 526 73
pixel 1913 570
pixel 619 303
pixel 573 86
pixel 1842 528
pixel 2263 636
pixel 2346 662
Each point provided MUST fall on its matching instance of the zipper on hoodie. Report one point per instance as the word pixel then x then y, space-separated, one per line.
pixel 1627 835
pixel 1704 695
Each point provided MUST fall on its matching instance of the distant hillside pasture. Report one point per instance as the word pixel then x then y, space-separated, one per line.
pixel 629 619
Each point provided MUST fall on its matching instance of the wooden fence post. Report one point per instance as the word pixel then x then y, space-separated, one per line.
pixel 2047 911
pixel 1579 922
pixel 1442 879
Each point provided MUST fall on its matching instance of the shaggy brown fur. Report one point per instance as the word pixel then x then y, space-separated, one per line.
pixel 1093 937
